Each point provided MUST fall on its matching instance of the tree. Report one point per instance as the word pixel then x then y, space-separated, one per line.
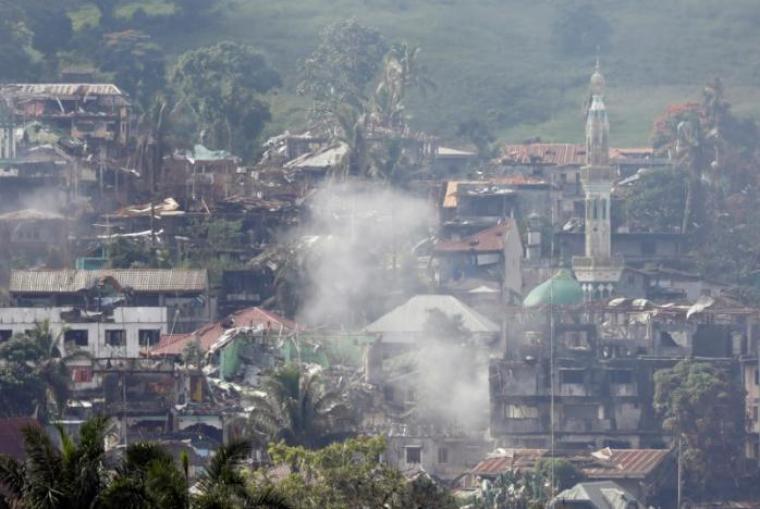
pixel 295 406
pixel 581 30
pixel 17 60
pixel 137 64
pixel 33 376
pixel 223 84
pixel 223 485
pixel 50 25
pixel 704 408
pixel 656 201
pixel 68 477
pixel 345 62
pixel 147 478
pixel 345 475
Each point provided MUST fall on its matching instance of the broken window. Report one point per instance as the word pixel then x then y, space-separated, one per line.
pixel 571 376
pixel 77 337
pixel 520 412
pixel 621 376
pixel 413 455
pixel 443 455
pixel 5 335
pixel 149 337
pixel 116 337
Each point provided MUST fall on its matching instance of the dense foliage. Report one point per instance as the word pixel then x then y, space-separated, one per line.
pixel 703 406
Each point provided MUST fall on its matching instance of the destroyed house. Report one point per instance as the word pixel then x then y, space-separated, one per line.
pixel 183 292
pixel 604 359
pixel 493 254
pixel 95 112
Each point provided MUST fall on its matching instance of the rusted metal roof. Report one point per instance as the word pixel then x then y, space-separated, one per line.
pixel 545 154
pixel 486 241
pixel 518 181
pixel 509 460
pixel 139 280
pixel 602 464
pixel 62 89
pixel 624 463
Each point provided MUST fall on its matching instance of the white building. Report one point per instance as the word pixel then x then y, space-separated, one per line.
pixel 124 332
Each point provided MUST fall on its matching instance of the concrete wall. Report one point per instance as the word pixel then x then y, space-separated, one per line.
pixel 129 319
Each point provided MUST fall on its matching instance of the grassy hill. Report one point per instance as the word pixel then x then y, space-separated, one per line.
pixel 494 59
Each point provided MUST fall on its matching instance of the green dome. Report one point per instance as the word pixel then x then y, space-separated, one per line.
pixel 561 289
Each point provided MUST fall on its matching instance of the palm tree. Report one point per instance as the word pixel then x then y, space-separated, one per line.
pixel 147 478
pixel 35 372
pixel 223 485
pixel 295 406
pixel 68 477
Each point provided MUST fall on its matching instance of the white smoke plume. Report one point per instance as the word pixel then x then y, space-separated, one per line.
pixel 361 239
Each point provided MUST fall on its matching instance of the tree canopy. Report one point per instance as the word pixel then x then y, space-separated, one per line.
pixel 223 84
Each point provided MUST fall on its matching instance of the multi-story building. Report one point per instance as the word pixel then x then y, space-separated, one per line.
pixel 183 292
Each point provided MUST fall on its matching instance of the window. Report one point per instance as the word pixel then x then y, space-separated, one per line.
pixel 116 337
pixel 621 376
pixel 648 247
pixel 571 376
pixel 520 412
pixel 443 455
pixel 413 455
pixel 411 395
pixel 149 337
pixel 5 335
pixel 596 208
pixel 77 337
pixel 604 209
pixel 388 393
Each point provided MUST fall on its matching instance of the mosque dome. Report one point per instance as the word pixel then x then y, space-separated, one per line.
pixel 561 289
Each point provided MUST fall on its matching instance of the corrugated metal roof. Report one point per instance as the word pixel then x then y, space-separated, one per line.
pixel 63 89
pixel 139 280
pixel 602 464
pixel 548 154
pixel 452 187
pixel 485 241
pixel 627 463
pixel 509 460
pixel 326 158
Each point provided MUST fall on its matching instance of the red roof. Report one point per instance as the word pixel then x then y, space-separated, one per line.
pixel 602 464
pixel 511 460
pixel 208 335
pixel 551 154
pixel 11 437
pixel 625 463
pixel 486 241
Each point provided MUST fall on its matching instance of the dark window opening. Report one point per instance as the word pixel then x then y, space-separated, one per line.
pixel 5 335
pixel 116 337
pixel 621 376
pixel 149 337
pixel 77 337
pixel 667 340
pixel 648 248
pixel 443 455
pixel 414 455
pixel 571 376
pixel 388 393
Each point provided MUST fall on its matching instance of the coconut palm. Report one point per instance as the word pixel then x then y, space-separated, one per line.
pixel 295 406
pixel 67 477
pixel 147 478
pixel 223 485
pixel 34 377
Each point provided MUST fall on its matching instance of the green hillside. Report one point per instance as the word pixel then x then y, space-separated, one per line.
pixel 495 60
